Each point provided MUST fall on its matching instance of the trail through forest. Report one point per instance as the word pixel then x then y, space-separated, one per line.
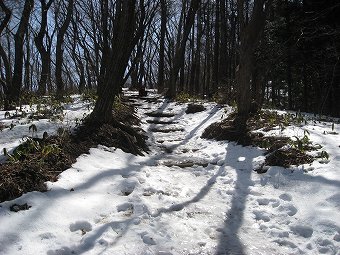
pixel 188 195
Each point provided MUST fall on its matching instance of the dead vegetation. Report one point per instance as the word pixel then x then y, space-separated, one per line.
pixel 281 151
pixel 288 157
pixel 38 160
pixel 160 114
pixel 194 108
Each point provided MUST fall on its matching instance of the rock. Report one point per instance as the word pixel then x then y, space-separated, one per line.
pixel 17 207
pixel 193 108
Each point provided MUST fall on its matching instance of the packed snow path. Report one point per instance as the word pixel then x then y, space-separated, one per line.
pixel 187 196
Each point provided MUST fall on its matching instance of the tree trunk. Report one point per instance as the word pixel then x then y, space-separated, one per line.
pixel 44 53
pixel 180 48
pixel 6 83
pixel 19 37
pixel 160 82
pixel 223 66
pixel 27 65
pixel 60 51
pixel 207 72
pixel 289 57
pixel 250 37
pixel 124 40
pixel 216 67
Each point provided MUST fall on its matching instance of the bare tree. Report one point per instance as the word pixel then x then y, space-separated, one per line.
pixel 180 47
pixel 5 83
pixel 116 54
pixel 44 52
pixel 162 46
pixel 15 89
pixel 60 50
pixel 250 33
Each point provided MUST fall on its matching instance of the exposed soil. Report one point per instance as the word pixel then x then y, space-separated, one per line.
pixel 194 108
pixel 166 130
pixel 160 114
pixel 42 159
pixel 288 157
pixel 155 121
pixel 278 153
pixel 226 130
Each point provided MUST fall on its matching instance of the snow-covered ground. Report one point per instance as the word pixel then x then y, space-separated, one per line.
pixel 111 202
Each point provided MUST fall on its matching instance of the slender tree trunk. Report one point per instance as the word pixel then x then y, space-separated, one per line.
pixel 160 82
pixel 27 66
pixel 250 37
pixel 15 89
pixel 7 82
pixel 223 72
pixel 124 40
pixel 216 67
pixel 289 57
pixel 207 81
pixel 180 48
pixel 60 51
pixel 44 53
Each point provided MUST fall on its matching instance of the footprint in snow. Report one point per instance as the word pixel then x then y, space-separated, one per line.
pixel 284 242
pixel 46 236
pixel 325 246
pixel 277 233
pixel 337 237
pixel 127 187
pixel 266 201
pixel 261 215
pixel 285 197
pixel 147 239
pixel 126 207
pixel 263 201
pixel 301 230
pixel 61 251
pixel 288 209
pixel 84 226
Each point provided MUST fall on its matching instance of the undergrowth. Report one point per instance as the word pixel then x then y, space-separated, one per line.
pixel 281 151
pixel 38 160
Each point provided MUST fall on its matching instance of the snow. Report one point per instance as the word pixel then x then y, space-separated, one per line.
pixel 111 202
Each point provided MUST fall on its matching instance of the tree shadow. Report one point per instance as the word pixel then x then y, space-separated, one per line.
pixel 285 176
pixel 240 159
pixel 92 237
pixel 90 241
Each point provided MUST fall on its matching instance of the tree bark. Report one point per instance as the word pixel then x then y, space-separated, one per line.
pixel 27 65
pixel 124 40
pixel 6 83
pixel 44 53
pixel 250 37
pixel 160 82
pixel 180 48
pixel 15 89
pixel 60 51
pixel 216 67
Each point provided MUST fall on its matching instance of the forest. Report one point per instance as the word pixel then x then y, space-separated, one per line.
pixel 169 127
pixel 280 54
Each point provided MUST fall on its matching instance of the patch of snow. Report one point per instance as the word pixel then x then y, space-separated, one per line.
pixel 125 204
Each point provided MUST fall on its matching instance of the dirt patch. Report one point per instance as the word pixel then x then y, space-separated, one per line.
pixel 280 150
pixel 160 122
pixel 194 108
pixel 166 130
pixel 160 114
pixel 2 126
pixel 271 143
pixel 38 160
pixel 288 157
pixel 226 130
